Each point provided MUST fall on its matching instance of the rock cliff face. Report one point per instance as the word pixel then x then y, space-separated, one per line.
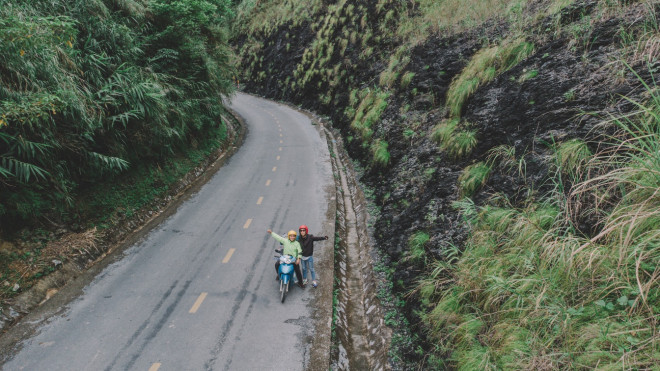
pixel 581 61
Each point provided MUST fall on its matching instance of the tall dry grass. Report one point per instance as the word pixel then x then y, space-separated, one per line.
pixel 530 291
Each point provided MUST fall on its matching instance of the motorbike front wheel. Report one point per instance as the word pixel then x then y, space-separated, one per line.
pixel 285 289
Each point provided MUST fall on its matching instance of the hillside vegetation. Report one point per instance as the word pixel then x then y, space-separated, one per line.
pixel 103 105
pixel 511 148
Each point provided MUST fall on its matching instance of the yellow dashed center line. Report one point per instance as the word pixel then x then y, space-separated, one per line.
pixel 281 135
pixel 198 302
pixel 278 158
pixel 274 168
pixel 228 256
pixel 280 148
pixel 267 182
pixel 247 224
pixel 259 200
pixel 154 367
pixel 281 141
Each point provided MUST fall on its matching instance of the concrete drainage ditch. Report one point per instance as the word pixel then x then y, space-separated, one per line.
pixel 361 339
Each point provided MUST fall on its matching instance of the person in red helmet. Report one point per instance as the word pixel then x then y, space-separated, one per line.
pixel 307 243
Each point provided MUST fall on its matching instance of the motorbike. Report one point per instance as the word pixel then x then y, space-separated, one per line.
pixel 285 272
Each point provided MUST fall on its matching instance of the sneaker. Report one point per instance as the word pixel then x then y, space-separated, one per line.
pixel 301 285
pixel 314 283
pixel 305 281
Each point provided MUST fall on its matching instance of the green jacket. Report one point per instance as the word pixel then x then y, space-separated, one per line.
pixel 290 248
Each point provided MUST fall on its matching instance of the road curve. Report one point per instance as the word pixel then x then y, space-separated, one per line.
pixel 198 292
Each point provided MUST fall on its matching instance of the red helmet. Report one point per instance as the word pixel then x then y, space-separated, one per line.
pixel 303 227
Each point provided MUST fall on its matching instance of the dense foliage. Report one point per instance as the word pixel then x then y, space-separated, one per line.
pixel 90 89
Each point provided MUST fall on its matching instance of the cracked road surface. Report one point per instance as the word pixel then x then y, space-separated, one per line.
pixel 198 292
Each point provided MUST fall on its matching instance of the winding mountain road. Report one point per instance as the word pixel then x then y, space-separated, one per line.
pixel 199 291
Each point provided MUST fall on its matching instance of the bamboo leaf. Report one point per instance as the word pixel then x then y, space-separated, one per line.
pixel 21 170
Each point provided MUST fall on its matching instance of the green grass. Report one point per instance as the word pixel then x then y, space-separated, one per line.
pixel 530 292
pixel 398 61
pixel 406 79
pixel 443 132
pixel 502 155
pixel 463 144
pixel 279 12
pixel 484 66
pixel 528 75
pixel 416 242
pixel 462 88
pixel 368 112
pixel 457 15
pixel 472 178
pixel 640 45
pixel 381 156
pixel 571 157
pixel 457 143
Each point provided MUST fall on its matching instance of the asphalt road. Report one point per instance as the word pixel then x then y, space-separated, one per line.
pixel 199 291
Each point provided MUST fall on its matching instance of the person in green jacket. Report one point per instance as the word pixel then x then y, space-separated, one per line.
pixel 290 247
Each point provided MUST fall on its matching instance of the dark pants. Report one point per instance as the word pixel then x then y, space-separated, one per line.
pixel 296 268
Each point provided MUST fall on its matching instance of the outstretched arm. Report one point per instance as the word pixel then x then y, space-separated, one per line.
pixel 276 236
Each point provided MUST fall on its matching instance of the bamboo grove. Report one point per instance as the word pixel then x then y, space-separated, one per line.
pixel 91 88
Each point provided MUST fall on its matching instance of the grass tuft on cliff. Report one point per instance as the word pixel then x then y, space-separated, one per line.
pixel 531 291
